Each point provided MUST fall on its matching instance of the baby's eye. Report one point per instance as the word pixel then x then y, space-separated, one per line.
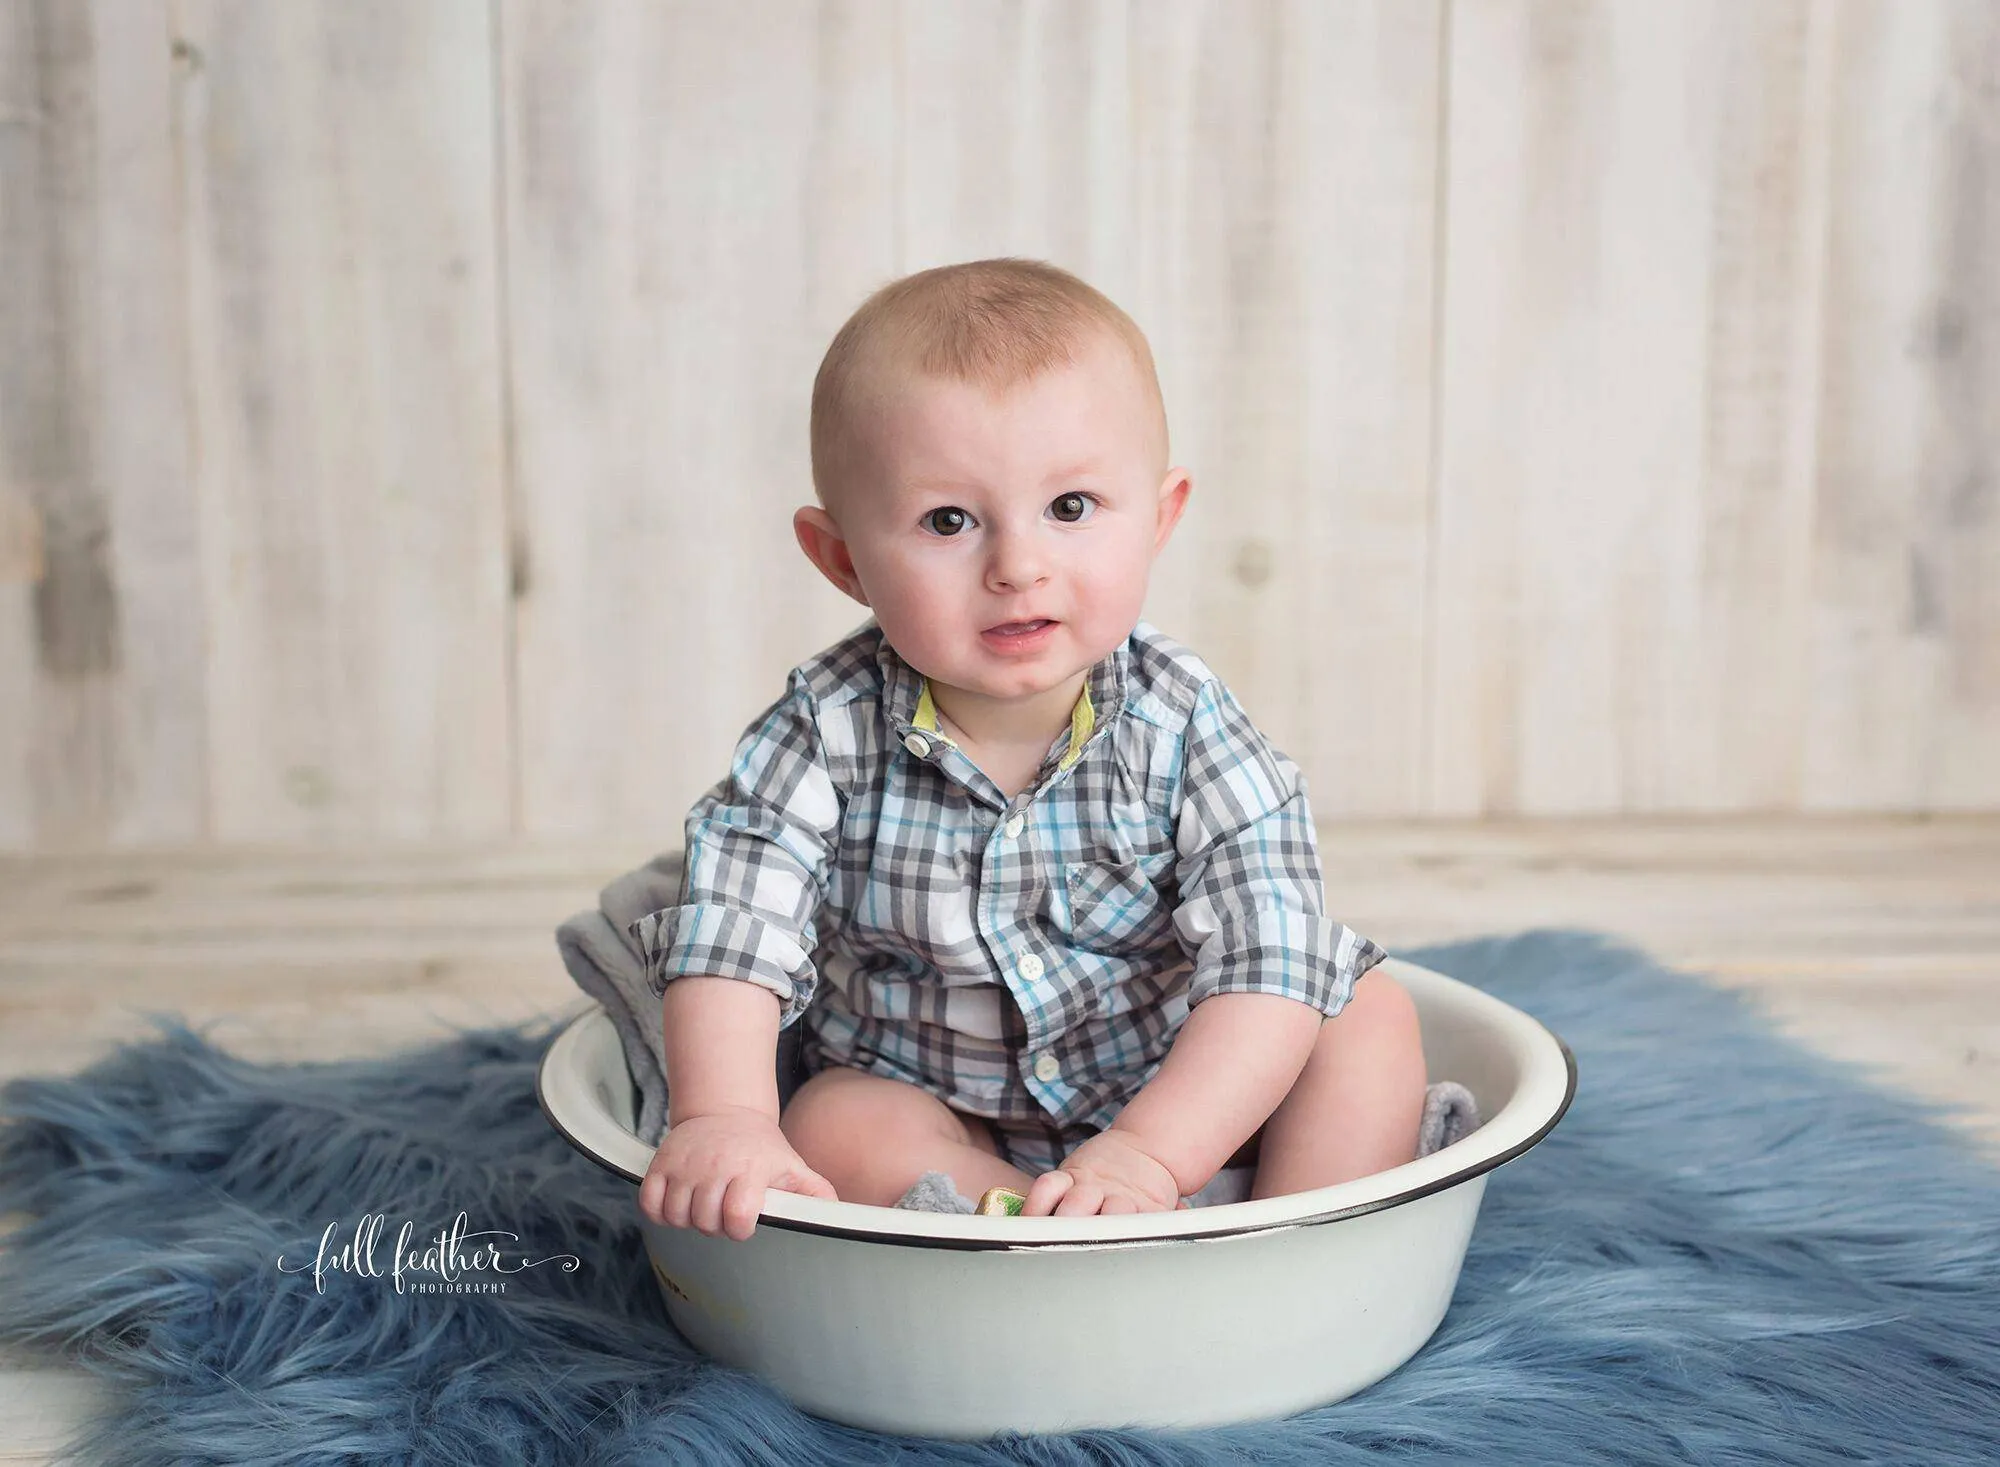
pixel 1071 508
pixel 947 520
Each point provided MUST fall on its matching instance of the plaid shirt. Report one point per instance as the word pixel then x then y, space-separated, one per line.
pixel 1025 960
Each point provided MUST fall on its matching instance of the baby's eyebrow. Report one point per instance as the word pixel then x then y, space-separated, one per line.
pixel 1088 466
pixel 934 484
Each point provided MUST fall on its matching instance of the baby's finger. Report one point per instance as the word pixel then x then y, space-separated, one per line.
pixel 1045 1192
pixel 807 1183
pixel 1117 1202
pixel 742 1200
pixel 653 1195
pixel 1082 1200
pixel 674 1210
pixel 705 1211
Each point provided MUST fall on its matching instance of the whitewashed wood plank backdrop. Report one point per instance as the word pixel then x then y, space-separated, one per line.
pixel 1592 407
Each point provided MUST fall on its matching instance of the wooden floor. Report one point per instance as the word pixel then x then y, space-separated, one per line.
pixel 1874 940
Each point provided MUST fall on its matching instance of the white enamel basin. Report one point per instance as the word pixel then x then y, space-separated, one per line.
pixel 946 1325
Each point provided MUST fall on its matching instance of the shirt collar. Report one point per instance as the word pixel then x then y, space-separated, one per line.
pixel 907 697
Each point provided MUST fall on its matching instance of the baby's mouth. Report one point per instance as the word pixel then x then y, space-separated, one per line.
pixel 1014 628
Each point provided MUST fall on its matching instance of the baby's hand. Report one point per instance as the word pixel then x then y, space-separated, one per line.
pixel 711 1171
pixel 1108 1173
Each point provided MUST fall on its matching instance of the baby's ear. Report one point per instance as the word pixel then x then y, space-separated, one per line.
pixel 1174 491
pixel 826 548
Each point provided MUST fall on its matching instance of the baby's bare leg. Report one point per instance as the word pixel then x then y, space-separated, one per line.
pixel 873 1137
pixel 1354 1110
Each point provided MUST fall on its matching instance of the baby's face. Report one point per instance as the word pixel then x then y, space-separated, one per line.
pixel 978 511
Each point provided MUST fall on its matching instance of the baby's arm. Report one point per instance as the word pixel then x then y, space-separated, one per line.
pixel 721 1037
pixel 723 1147
pixel 1205 1101
pixel 732 961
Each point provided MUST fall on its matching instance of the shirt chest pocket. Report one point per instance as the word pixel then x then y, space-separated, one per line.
pixel 1121 907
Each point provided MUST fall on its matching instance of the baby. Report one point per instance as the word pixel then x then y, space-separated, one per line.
pixel 1045 902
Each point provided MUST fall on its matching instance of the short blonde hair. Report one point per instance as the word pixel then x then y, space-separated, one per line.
pixel 991 323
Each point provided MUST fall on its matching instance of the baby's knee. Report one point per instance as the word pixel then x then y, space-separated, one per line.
pixel 823 1110
pixel 1383 1004
pixel 840 1111
pixel 1379 1022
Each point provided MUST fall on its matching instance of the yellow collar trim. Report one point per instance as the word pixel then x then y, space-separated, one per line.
pixel 926 717
pixel 1082 719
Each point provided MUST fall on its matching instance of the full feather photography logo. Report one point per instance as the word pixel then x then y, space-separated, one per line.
pixel 453 1260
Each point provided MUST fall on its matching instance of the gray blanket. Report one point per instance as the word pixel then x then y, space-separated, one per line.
pixel 604 959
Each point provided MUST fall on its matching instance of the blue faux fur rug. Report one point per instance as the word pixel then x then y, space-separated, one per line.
pixel 1729 1251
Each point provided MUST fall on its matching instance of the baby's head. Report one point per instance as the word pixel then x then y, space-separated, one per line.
pixel 989 445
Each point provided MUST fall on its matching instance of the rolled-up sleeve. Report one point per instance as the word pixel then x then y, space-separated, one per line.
pixel 760 850
pixel 1251 913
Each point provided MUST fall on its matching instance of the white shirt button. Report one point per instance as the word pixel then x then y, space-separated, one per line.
pixel 1047 1068
pixel 917 744
pixel 1013 827
pixel 1030 967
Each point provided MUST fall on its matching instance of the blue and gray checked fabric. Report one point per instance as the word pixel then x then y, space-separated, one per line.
pixel 1027 960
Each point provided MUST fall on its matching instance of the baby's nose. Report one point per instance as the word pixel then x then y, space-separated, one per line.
pixel 1017 562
